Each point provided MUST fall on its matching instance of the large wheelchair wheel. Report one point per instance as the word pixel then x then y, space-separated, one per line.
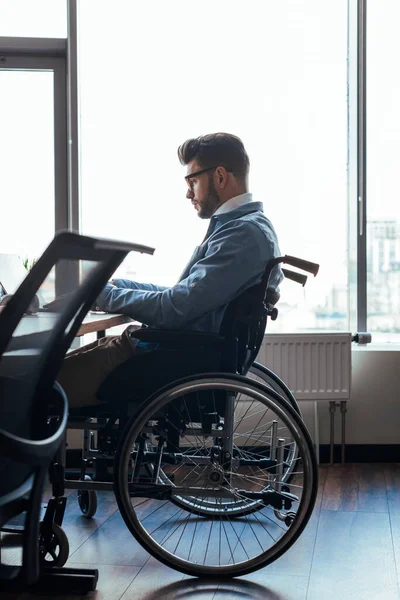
pixel 206 496
pixel 263 375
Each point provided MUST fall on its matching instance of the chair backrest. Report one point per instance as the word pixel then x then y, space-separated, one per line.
pixel 244 325
pixel 32 347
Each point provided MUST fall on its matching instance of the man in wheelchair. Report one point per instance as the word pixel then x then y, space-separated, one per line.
pixel 212 467
pixel 238 244
pixel 206 452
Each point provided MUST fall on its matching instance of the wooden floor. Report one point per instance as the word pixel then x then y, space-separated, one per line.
pixel 350 549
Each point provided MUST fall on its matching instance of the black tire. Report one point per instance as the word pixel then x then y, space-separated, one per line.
pixel 87 500
pixel 53 552
pixel 272 380
pixel 173 540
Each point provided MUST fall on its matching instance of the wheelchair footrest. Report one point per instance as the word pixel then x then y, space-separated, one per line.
pixel 278 500
pixel 157 491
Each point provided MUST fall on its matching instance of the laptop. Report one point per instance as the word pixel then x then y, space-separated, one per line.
pixel 12 273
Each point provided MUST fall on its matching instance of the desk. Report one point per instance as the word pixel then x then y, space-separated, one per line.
pixel 93 322
pixel 33 331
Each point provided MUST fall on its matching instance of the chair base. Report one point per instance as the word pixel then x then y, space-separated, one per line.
pixel 58 581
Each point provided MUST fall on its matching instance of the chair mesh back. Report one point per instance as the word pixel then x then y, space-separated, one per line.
pixel 32 347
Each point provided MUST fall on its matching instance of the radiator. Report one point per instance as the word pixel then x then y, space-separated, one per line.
pixel 314 366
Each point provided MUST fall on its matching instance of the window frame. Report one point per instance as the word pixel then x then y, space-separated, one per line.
pixel 361 200
pixel 59 56
pixel 46 58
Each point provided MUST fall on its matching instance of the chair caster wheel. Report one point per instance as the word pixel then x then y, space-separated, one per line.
pixel 289 518
pixel 87 500
pixel 53 552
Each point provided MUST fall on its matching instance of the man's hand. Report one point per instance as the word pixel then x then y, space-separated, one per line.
pixel 58 303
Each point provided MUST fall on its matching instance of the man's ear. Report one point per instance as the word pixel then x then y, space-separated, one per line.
pixel 222 175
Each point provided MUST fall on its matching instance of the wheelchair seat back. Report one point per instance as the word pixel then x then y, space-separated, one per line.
pixel 244 325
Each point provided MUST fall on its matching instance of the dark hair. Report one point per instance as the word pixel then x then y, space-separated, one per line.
pixel 216 149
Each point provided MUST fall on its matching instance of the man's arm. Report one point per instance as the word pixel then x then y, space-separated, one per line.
pixel 235 260
pixel 127 284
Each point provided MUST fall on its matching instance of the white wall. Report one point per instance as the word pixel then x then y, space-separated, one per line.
pixel 373 413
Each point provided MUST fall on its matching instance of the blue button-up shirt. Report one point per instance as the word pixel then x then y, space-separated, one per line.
pixel 231 259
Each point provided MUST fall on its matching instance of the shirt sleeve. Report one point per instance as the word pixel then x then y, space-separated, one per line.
pixel 135 285
pixel 235 259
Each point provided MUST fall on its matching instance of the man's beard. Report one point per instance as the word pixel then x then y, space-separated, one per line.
pixel 210 202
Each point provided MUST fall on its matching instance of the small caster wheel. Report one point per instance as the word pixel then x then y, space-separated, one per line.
pixel 290 516
pixel 87 500
pixel 53 552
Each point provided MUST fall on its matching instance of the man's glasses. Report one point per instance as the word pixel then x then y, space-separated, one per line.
pixel 197 173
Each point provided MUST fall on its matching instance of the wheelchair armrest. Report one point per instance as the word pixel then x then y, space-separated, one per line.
pixel 148 334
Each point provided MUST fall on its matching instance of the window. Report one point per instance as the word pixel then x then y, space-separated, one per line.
pixel 38 18
pixel 27 159
pixel 275 74
pixel 383 156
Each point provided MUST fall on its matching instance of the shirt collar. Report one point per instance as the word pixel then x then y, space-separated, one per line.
pixel 233 203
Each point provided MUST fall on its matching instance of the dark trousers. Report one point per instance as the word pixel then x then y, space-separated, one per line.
pixel 85 368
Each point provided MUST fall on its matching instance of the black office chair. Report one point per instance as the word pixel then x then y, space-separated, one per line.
pixel 192 445
pixel 34 408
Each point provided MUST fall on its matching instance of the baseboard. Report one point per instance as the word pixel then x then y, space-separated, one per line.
pixel 368 453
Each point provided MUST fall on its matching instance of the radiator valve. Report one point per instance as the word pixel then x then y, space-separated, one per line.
pixel 362 337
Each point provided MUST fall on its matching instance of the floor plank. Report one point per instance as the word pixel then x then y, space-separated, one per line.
pixel 77 527
pixel 355 487
pixel 392 478
pixel 274 586
pixel 353 557
pixel 298 559
pixel 111 544
pixel 372 495
pixel 152 581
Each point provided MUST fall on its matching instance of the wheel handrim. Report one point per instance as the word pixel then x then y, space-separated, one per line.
pixel 164 541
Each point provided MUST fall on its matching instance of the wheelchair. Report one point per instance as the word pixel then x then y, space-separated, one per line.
pixel 212 467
